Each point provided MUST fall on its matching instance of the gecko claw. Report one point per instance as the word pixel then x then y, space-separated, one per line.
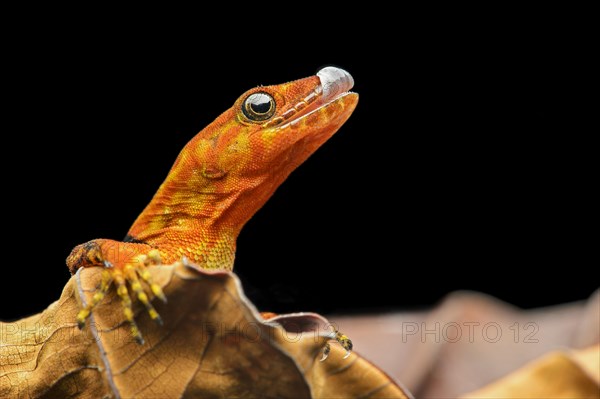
pixel 344 342
pixel 326 351
pixel 157 291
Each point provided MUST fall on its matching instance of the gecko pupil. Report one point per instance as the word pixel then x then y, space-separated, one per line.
pixel 259 107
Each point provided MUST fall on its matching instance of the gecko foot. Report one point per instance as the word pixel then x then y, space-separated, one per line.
pixel 343 340
pixel 132 274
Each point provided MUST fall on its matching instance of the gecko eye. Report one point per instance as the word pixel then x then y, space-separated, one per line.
pixel 258 107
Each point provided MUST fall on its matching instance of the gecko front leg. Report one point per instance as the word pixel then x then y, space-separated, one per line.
pixel 124 264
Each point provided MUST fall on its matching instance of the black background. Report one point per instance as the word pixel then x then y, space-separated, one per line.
pixel 460 169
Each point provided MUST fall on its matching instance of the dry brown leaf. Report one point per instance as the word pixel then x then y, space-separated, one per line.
pixel 214 344
pixel 556 375
pixel 589 361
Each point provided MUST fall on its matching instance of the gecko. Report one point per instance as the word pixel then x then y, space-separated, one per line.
pixel 220 179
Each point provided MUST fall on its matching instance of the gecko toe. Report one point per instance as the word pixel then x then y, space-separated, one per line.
pixel 100 293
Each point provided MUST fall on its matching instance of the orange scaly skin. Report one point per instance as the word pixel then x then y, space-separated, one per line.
pixel 218 182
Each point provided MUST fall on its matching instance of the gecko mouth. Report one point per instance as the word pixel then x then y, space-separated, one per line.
pixel 335 84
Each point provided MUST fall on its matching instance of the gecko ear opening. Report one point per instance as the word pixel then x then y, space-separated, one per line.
pixel 213 173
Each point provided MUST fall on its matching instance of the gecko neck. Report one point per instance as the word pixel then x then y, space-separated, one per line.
pixel 198 218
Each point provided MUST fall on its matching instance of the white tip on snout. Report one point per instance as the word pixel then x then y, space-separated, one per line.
pixel 334 81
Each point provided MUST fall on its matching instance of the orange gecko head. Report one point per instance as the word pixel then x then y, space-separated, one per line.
pixel 249 150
